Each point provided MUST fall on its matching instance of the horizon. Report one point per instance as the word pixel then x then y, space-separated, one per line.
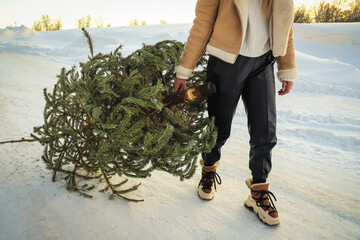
pixel 16 12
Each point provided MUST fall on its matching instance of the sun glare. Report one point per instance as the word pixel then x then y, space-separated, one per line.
pixel 115 13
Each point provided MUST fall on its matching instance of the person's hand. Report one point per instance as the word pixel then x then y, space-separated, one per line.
pixel 286 87
pixel 180 84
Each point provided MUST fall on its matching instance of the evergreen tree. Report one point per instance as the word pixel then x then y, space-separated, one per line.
pixel 354 12
pixel 302 15
pixel 108 120
pixel 326 12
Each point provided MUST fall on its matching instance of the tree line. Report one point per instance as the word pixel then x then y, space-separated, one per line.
pixel 47 24
pixel 336 11
pixel 135 22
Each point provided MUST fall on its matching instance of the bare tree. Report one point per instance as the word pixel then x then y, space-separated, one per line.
pixel 88 21
pixel 37 26
pixel 46 21
pixel 99 22
pixel 84 22
pixel 81 22
pixel 58 24
pixel 134 22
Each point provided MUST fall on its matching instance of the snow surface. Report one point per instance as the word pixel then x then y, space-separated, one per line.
pixel 316 163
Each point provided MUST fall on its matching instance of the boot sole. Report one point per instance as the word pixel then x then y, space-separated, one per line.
pixel 205 196
pixel 252 206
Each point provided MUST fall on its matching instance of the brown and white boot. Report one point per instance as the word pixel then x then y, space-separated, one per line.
pixel 208 181
pixel 261 203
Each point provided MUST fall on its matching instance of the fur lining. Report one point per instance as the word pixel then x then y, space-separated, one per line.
pixel 243 11
pixel 223 55
pixel 287 74
pixel 217 164
pixel 282 17
pixel 249 183
pixel 183 73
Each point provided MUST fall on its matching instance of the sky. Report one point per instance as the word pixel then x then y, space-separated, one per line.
pixel 116 12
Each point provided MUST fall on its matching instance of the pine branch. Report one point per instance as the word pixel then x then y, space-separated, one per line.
pixel 21 140
pixel 118 193
pixel 79 175
pixel 89 40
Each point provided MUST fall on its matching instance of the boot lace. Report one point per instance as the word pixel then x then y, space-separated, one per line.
pixel 264 195
pixel 208 178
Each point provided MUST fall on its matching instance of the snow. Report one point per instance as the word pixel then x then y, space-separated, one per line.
pixel 316 163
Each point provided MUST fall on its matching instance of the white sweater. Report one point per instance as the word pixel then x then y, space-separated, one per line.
pixel 256 37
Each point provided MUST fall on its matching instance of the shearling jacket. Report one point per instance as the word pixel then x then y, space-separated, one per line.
pixel 218 28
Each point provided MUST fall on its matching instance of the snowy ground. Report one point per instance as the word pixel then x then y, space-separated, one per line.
pixel 316 162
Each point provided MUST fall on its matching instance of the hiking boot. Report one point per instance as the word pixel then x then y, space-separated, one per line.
pixel 261 203
pixel 208 181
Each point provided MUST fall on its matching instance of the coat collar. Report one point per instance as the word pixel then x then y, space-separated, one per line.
pixel 242 6
pixel 281 24
pixel 281 19
pixel 282 13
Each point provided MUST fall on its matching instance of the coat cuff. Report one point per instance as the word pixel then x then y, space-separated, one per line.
pixel 183 73
pixel 287 74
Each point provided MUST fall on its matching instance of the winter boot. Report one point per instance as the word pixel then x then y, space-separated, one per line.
pixel 208 181
pixel 261 203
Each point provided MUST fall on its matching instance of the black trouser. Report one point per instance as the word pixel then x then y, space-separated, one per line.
pixel 248 78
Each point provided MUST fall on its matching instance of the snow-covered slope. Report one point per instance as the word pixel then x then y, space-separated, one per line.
pixel 316 162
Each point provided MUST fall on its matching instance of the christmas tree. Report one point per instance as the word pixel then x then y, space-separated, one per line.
pixel 107 120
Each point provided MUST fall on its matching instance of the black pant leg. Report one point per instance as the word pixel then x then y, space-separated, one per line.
pixel 259 102
pixel 229 81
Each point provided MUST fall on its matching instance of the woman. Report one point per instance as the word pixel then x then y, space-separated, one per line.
pixel 243 39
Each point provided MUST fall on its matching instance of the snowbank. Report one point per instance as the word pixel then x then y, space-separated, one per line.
pixel 316 163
